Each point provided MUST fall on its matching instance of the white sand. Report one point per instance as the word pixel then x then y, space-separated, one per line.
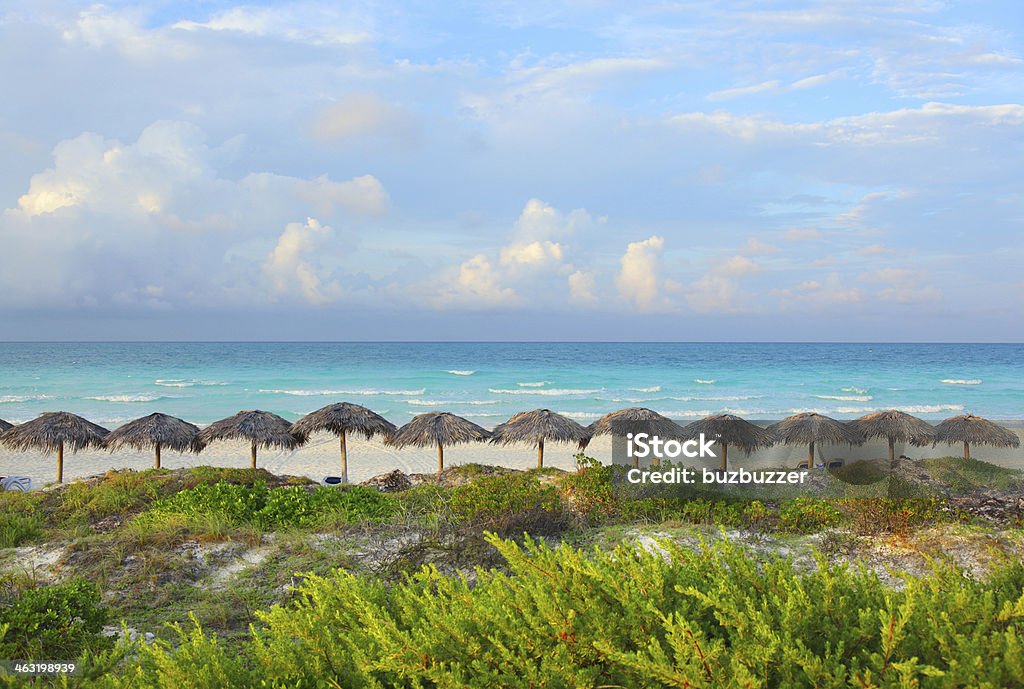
pixel 319 458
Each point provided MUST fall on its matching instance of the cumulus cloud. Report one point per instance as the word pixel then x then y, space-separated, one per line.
pixel 581 288
pixel 292 267
pixel 639 274
pixel 478 284
pixel 737 266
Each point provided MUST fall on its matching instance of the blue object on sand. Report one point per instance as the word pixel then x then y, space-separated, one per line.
pixel 332 481
pixel 18 483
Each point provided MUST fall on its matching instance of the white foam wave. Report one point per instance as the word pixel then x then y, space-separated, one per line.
pixel 461 373
pixel 324 393
pixel 126 398
pixel 656 388
pixel 961 381
pixel 538 384
pixel 582 415
pixel 846 398
pixel 717 398
pixel 183 383
pixel 931 408
pixel 856 391
pixel 701 381
pixel 442 403
pixel 15 399
pixel 551 392
pixel 855 410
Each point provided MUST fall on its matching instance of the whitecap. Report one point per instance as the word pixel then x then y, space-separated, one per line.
pixel 461 373
pixel 656 388
pixel 441 403
pixel 14 399
pixel 931 408
pixel 961 381
pixel 856 391
pixel 846 398
pixel 704 382
pixel 324 393
pixel 125 398
pixel 551 392
pixel 538 384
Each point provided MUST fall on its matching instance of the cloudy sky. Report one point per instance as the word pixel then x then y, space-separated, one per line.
pixel 512 170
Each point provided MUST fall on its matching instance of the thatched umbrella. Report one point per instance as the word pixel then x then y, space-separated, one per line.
pixel 969 428
pixel 4 426
pixel 730 430
pixel 157 431
pixel 260 428
pixel 52 432
pixel 635 420
pixel 437 428
pixel 536 426
pixel 341 418
pixel 895 425
pixel 809 429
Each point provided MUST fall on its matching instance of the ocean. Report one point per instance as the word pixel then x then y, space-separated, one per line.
pixel 111 383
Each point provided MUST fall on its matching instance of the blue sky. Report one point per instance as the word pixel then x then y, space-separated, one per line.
pixel 520 170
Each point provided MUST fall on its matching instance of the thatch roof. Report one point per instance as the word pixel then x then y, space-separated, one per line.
pixel 808 427
pixel 896 425
pixel 732 430
pixel 344 417
pixel 261 428
pixel 636 420
pixel 51 430
pixel 156 429
pixel 976 431
pixel 537 426
pixel 437 428
pixel 4 426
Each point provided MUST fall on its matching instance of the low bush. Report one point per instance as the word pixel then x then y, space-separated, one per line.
pixel 257 505
pixel 56 622
pixel 808 515
pixel 559 617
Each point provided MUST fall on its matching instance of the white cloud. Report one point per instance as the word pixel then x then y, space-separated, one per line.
pixel 581 288
pixel 478 284
pixel 726 94
pixel 534 254
pixel 712 293
pixel 638 279
pixel 737 266
pixel 292 267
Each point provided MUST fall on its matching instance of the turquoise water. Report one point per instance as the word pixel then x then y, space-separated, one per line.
pixel 111 383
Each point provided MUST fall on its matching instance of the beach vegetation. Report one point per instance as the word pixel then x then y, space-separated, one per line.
pixel 562 617
pixel 55 621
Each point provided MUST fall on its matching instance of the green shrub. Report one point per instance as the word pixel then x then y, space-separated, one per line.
pixel 713 617
pixel 895 515
pixel 807 514
pixel 262 507
pixel 498 496
pixel 55 622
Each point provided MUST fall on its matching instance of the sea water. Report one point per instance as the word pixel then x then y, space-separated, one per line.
pixel 111 383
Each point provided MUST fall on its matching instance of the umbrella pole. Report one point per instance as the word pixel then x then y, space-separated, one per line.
pixel 810 456
pixel 540 453
pixel 344 459
pixel 440 458
pixel 254 455
pixel 892 453
pixel 967 450
pixel 725 455
pixel 60 462
pixel 156 458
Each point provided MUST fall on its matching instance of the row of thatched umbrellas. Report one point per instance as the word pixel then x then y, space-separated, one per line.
pixel 57 431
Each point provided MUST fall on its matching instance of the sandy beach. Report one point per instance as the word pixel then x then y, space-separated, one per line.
pixel 318 458
pixel 367 458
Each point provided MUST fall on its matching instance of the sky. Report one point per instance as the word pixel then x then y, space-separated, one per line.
pixel 583 170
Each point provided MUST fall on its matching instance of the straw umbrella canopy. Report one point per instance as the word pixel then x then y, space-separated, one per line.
pixel 535 427
pixel 53 432
pixel 968 429
pixel 260 428
pixel 730 430
pixel 895 425
pixel 155 431
pixel 438 428
pixel 340 419
pixel 635 420
pixel 810 429
pixel 4 426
